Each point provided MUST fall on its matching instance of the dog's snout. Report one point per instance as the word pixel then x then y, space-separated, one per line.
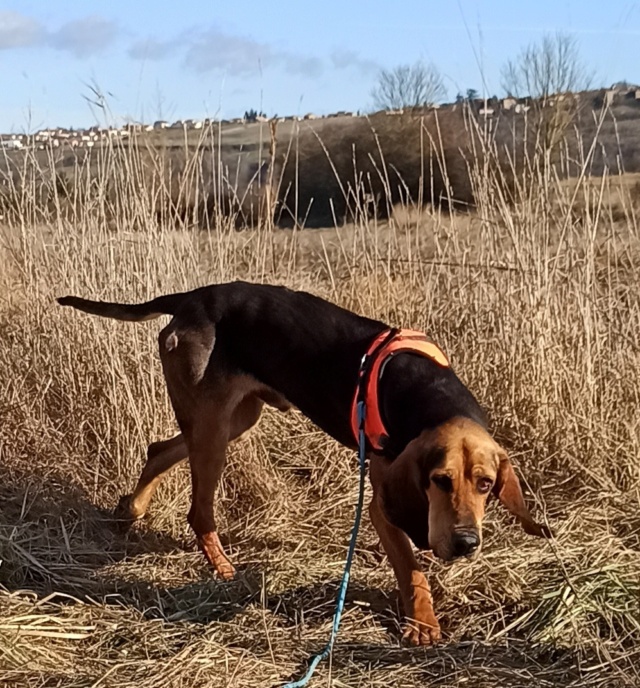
pixel 465 542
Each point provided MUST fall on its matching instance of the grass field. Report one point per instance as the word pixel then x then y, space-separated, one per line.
pixel 538 307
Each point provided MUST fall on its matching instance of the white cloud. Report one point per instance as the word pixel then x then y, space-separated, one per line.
pixel 81 37
pixel 307 66
pixel 215 50
pixel 348 59
pixel 84 37
pixel 204 50
pixel 18 31
pixel 152 49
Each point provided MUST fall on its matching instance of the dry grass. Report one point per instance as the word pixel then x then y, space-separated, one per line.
pixel 321 172
pixel 341 171
pixel 538 307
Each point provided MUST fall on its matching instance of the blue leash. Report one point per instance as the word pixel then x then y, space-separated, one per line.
pixel 344 584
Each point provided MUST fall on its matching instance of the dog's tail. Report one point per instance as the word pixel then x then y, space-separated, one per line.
pixel 137 312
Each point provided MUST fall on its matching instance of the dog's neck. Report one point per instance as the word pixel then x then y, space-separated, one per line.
pixel 416 394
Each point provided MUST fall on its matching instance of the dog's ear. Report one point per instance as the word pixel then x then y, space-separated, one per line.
pixel 402 487
pixel 507 489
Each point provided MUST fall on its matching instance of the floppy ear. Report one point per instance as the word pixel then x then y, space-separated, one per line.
pixel 507 489
pixel 401 486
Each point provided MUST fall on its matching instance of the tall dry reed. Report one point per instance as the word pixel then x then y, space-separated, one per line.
pixel 535 298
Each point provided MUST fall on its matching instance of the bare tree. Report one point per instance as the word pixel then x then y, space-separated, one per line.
pixel 546 68
pixel 549 73
pixel 408 86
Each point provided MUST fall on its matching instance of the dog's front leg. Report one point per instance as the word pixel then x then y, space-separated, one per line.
pixel 422 627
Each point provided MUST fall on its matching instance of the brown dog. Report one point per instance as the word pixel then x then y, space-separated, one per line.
pixel 230 348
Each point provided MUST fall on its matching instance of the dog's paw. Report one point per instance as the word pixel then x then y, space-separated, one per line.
pixel 225 569
pixel 214 553
pixel 420 634
pixel 123 513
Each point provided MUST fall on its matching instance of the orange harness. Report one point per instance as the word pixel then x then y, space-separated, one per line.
pixel 385 345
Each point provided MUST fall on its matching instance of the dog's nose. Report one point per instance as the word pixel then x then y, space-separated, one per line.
pixel 465 542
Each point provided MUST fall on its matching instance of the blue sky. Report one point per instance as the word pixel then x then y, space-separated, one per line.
pixel 195 59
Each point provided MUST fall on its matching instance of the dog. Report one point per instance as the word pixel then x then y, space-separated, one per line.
pixel 231 348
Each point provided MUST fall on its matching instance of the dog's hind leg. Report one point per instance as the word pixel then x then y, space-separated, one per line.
pixel 161 458
pixel 207 397
pixel 215 426
pixel 207 440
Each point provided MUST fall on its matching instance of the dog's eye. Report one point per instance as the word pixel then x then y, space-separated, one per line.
pixel 484 485
pixel 443 482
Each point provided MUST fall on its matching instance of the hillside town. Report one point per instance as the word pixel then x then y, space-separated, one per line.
pixel 95 135
pixel 484 107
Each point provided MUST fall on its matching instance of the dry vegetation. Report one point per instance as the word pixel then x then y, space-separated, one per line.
pixel 331 173
pixel 536 302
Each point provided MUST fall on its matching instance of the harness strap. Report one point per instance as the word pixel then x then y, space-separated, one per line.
pixel 383 347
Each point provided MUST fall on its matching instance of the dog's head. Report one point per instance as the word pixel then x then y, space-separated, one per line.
pixel 436 491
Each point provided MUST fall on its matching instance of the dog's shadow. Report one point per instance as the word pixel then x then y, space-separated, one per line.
pixel 55 539
pixel 510 665
pixel 56 542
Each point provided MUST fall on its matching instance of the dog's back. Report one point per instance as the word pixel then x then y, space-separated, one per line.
pixel 306 348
